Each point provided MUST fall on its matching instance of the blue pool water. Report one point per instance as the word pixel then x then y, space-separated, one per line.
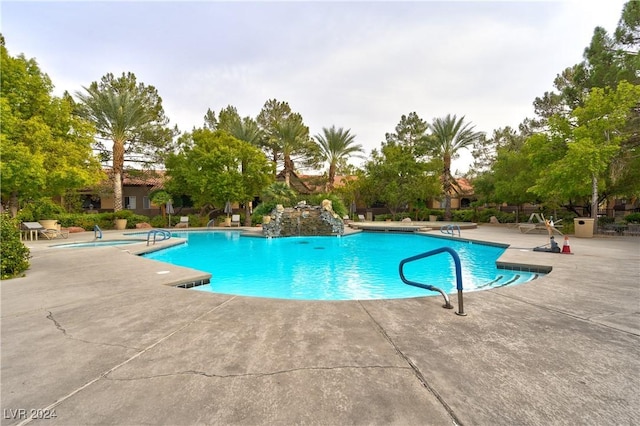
pixel 356 267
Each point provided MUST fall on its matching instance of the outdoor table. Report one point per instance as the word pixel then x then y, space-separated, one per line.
pixel 31 230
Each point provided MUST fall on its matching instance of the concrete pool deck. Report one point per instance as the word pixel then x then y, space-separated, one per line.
pixel 93 335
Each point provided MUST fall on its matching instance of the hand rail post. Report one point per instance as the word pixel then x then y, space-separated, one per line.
pixel 97 231
pixel 456 260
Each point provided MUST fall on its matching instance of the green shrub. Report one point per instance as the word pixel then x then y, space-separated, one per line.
pixel 604 220
pixel 336 203
pixel 568 227
pixel 69 219
pixel 264 209
pixel 439 213
pixel 632 218
pixel 123 214
pixel 134 219
pixel 256 219
pixel 14 255
pixel 159 221
pixel 421 214
pixel 463 215
pixel 88 221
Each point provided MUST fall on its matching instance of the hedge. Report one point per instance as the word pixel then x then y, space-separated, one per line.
pixel 14 254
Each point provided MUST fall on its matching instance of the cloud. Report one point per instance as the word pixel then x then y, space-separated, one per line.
pixel 357 65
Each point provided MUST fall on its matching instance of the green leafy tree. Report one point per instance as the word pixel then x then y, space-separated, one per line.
pixel 46 150
pixel 485 149
pixel 216 167
pixel 595 139
pixel 336 145
pixel 607 61
pixel 397 178
pixel 245 129
pixel 451 135
pixel 130 115
pixel 403 172
pixel 512 177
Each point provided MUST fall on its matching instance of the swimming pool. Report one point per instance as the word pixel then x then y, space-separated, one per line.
pixel 363 266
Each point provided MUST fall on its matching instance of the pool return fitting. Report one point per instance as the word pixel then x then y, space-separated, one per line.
pixel 456 260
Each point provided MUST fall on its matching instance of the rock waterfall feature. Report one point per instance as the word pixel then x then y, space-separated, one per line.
pixel 303 220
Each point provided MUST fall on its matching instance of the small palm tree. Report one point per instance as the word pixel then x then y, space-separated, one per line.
pixel 336 145
pixel 279 193
pixel 450 136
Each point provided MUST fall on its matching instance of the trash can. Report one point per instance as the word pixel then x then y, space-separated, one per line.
pixel 583 227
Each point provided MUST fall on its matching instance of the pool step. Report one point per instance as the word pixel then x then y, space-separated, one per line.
pixel 192 284
pixel 503 280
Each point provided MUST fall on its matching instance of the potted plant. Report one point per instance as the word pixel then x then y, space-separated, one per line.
pixel 228 210
pixel 121 219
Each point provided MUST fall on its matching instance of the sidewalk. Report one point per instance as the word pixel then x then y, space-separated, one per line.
pixel 97 336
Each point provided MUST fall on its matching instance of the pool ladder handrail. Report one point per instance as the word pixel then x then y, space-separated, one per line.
pixel 163 232
pixel 456 260
pixel 449 229
pixel 97 232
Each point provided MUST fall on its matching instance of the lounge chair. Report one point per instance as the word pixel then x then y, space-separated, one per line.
pixel 51 234
pixel 544 226
pixel 184 222
pixel 361 218
pixel 235 220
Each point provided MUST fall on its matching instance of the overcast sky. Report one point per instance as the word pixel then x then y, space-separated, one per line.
pixel 357 65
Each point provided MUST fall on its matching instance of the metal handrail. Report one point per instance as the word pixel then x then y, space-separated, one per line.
pixel 449 229
pixel 163 232
pixel 97 232
pixel 456 260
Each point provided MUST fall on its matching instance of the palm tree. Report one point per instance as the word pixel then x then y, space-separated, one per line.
pixel 292 136
pixel 336 145
pixel 119 115
pixel 246 130
pixel 451 135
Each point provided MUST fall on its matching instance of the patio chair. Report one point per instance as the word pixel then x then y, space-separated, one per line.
pixel 184 222
pixel 235 220
pixel 546 226
pixel 52 234
pixel 361 218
